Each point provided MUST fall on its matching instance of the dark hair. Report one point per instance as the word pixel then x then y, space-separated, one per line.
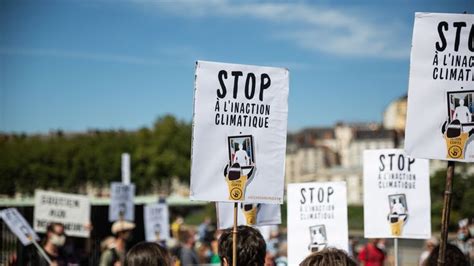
pixel 50 227
pixel 453 256
pixel 185 234
pixel 251 247
pixel 328 256
pixel 147 254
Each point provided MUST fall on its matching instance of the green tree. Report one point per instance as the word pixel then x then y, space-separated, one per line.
pixel 462 196
pixel 68 162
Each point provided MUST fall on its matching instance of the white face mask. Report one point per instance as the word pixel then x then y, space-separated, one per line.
pixel 58 241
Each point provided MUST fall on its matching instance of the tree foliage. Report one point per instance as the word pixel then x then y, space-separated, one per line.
pixel 462 196
pixel 69 162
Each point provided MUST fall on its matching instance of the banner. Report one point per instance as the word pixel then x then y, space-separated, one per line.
pixel 239 133
pixel 317 218
pixel 157 225
pixel 72 210
pixel 18 225
pixel 396 195
pixel 440 115
pixel 121 205
pixel 251 214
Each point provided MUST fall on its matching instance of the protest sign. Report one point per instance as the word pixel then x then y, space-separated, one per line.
pixel 156 218
pixel 317 218
pixel 396 195
pixel 239 133
pixel 121 205
pixel 19 226
pixel 72 210
pixel 251 214
pixel 441 89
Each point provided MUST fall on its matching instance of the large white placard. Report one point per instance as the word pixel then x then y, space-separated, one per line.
pixel 121 205
pixel 19 226
pixel 440 118
pixel 239 133
pixel 317 218
pixel 396 195
pixel 157 222
pixel 72 210
pixel 251 214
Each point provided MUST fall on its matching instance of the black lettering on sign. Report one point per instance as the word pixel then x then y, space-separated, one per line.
pixel 443 27
pixel 401 162
pixel 57 213
pixel 322 195
pixel 249 86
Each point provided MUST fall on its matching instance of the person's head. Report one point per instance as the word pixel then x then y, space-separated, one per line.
pixel 431 243
pixel 251 247
pixel 148 254
pixel 187 237
pixel 461 102
pixel 463 233
pixel 453 256
pixel 55 234
pixel 328 256
pixel 107 243
pixel 123 229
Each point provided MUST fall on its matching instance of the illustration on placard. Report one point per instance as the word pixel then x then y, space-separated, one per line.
pixel 398 215
pixel 318 236
pixel 157 230
pixel 26 232
pixel 460 126
pixel 250 212
pixel 241 168
pixel 122 210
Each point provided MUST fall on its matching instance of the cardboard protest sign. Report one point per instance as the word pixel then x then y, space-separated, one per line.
pixel 157 225
pixel 72 210
pixel 18 225
pixel 251 214
pixel 239 133
pixel 396 195
pixel 121 205
pixel 440 115
pixel 317 218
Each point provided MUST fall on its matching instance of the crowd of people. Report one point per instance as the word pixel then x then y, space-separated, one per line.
pixel 205 245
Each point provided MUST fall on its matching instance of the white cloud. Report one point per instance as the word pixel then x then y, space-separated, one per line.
pixel 323 29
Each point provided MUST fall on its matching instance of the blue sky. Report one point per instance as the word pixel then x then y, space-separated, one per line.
pixel 78 65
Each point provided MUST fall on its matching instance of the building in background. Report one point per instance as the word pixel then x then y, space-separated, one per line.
pixel 336 153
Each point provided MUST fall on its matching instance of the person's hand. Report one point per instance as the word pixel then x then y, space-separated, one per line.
pixel 88 226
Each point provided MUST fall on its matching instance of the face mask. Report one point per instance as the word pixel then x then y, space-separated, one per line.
pixel 461 236
pixel 58 241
